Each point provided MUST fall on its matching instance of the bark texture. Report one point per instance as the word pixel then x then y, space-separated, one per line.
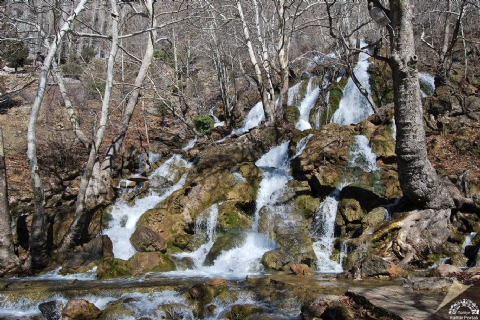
pixel 8 259
pixel 418 179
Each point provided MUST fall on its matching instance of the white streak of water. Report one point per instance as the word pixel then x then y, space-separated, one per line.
pixel 361 155
pixel 306 106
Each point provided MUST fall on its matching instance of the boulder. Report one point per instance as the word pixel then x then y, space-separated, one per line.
pixel 374 266
pixel 243 311
pixel 137 178
pixel 337 311
pixel 374 217
pixel 145 239
pixel 457 259
pixel 159 184
pixel 80 310
pixel 444 271
pixel 350 210
pixel 50 310
pixel 301 269
pixel 216 283
pixel 430 284
pixel 83 257
pixel 143 262
pixel 315 308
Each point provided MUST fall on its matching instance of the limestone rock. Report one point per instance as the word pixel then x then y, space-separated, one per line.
pixel 80 310
pixel 243 311
pixel 224 243
pixel 145 239
pixel 143 262
pixel 50 310
pixel 445 270
pixel 82 257
pixel 351 210
pixel 301 269
pixel 458 260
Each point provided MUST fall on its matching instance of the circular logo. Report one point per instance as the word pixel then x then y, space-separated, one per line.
pixel 460 308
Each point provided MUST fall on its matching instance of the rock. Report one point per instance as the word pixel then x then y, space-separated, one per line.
pixel 211 307
pixel 337 311
pixel 118 309
pixel 137 178
pixel 444 270
pixel 457 259
pixel 216 283
pixel 127 184
pixel 350 210
pixel 257 281
pixel 145 239
pixel 185 263
pixel 307 205
pixel 143 262
pixel 113 268
pixel 429 284
pixel 301 269
pixel 82 257
pixel 224 243
pixel 374 266
pixel 198 291
pixel 159 183
pixel 243 311
pixel 374 217
pixel 50 310
pixel 80 310
pixel 230 217
pixel 315 308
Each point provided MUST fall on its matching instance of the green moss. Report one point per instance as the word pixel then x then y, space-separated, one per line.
pixel 336 94
pixel 381 84
pixel 306 205
pixel 113 268
pixel 230 217
pixel 293 114
pixel 203 123
pixel 165 264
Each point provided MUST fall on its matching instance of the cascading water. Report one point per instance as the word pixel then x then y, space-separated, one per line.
pixel 306 106
pixel 427 84
pixel 294 97
pixel 190 144
pixel 216 121
pixel 361 155
pixel 468 240
pixel 301 145
pixel 254 117
pixel 354 107
pixel 125 217
pixel 323 233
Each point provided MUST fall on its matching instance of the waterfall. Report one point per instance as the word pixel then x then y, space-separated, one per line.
pixel 354 107
pixel 216 121
pixel 254 117
pixel 190 144
pixel 125 217
pixel 324 233
pixel 301 145
pixel 294 94
pixel 468 240
pixel 427 84
pixel 361 155
pixel 306 106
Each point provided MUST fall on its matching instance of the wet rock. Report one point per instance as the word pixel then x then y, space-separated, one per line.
pixel 137 178
pixel 159 184
pixel 315 308
pixel 145 239
pixel 185 263
pixel 50 310
pixel 445 270
pixel 80 310
pixel 216 283
pixel 374 217
pixel 224 243
pixel 243 311
pixel 211 307
pixel 143 262
pixel 374 266
pixel 307 206
pixel 112 268
pixel 118 309
pixel 82 258
pixel 301 269
pixel 230 217
pixel 337 311
pixel 257 281
pixel 429 284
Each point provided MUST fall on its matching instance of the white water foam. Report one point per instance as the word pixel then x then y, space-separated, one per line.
pixel 361 155
pixel 216 121
pixel 125 216
pixel 301 145
pixel 427 83
pixel 190 144
pixel 254 117
pixel 294 94
pixel 323 233
pixel 306 106
pixel 468 240
pixel 354 107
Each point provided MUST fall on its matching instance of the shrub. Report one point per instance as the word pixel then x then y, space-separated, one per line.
pixel 16 54
pixel 94 86
pixel 87 53
pixel 203 123
pixel 72 70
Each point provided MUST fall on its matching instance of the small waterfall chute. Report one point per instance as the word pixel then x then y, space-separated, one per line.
pixel 427 84
pixel 361 155
pixel 307 105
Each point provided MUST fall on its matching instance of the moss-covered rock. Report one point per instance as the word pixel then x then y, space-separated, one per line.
pixel 292 114
pixel 113 268
pixel 224 243
pixel 374 217
pixel 243 311
pixel 307 206
pixel 145 239
pixel 230 217
pixel 117 310
pixel 351 210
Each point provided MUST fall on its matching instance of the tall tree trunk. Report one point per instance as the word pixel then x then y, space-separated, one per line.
pixel 74 232
pixel 441 71
pixel 8 259
pixel 101 184
pixel 418 179
pixel 38 244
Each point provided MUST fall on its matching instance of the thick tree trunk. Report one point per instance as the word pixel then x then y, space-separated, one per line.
pixel 38 244
pixel 74 232
pixel 418 179
pixel 8 259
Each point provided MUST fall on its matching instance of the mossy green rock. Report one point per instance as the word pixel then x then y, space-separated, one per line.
pixel 224 243
pixel 113 268
pixel 337 311
pixel 307 206
pixel 117 310
pixel 374 217
pixel 250 172
pixel 230 217
pixel 350 210
pixel 292 114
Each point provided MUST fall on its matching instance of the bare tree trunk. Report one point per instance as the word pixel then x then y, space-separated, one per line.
pixel 418 179
pixel 102 182
pixel 38 245
pixel 8 259
pixel 75 231
pixel 283 62
pixel 441 72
